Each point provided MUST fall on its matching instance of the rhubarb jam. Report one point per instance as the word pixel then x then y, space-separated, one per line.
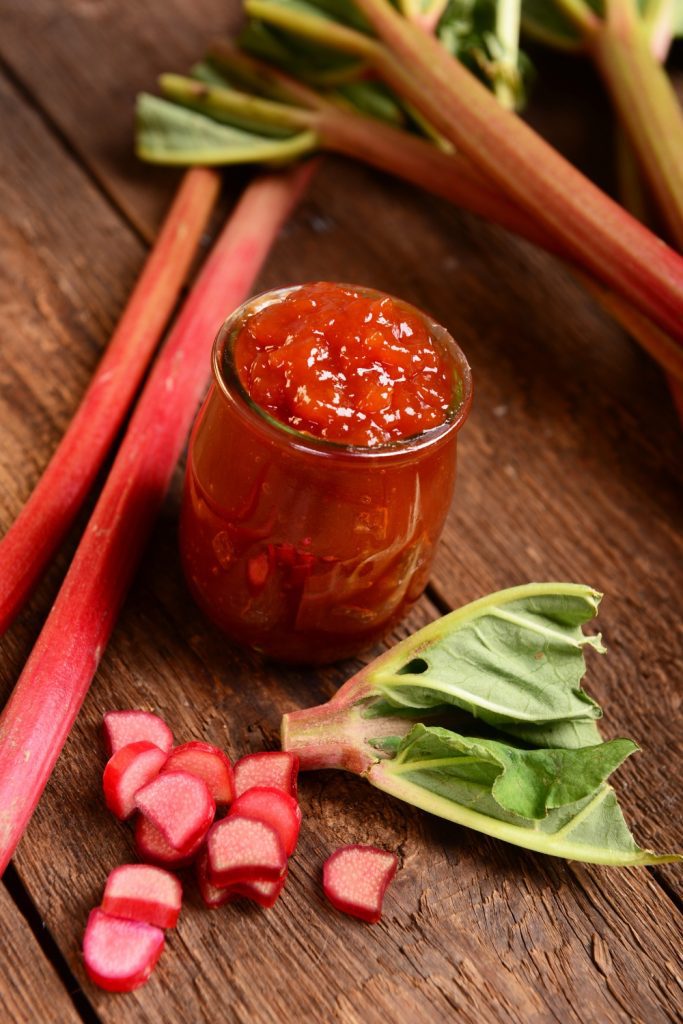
pixel 345 366
pixel 321 468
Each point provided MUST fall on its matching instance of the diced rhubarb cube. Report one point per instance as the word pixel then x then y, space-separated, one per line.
pixel 140 892
pixel 127 771
pixel 243 850
pixel 208 763
pixel 153 848
pixel 124 727
pixel 275 808
pixel 180 806
pixel 120 955
pixel 355 879
pixel 261 892
pixel 213 895
pixel 267 768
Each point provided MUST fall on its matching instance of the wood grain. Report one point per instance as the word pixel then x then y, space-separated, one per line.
pixel 570 466
pixel 30 989
pixel 84 61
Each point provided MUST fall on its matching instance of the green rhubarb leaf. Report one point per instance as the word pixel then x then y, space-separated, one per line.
pixel 554 802
pixel 528 783
pixel 514 659
pixel 170 134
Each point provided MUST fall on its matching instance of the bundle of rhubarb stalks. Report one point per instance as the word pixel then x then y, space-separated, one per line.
pixel 425 92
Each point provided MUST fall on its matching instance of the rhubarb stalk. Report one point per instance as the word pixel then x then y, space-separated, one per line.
pixel 445 174
pixel 621 47
pixel 337 130
pixel 36 722
pixel 45 519
pixel 594 230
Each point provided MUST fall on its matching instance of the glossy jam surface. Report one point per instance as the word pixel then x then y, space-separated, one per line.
pixel 305 550
pixel 345 366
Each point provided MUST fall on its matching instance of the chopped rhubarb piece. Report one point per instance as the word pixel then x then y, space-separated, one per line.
pixel 243 850
pixel 213 895
pixel 120 955
pixel 153 848
pixel 127 771
pixel 355 879
pixel 180 806
pixel 208 763
pixel 261 892
pixel 265 803
pixel 268 768
pixel 140 892
pixel 124 727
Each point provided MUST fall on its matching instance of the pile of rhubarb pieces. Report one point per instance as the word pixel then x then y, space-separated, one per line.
pixel 239 827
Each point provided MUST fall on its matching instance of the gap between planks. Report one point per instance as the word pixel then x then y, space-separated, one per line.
pixel 43 936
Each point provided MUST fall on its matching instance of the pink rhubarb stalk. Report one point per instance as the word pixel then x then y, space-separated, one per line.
pixel 621 47
pixel 124 727
pixel 45 519
pixel 36 721
pixel 593 229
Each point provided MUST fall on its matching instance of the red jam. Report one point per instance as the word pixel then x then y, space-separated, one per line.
pixel 345 366
pixel 298 545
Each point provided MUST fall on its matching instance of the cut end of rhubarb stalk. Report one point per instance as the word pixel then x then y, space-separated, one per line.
pixel 179 805
pixel 140 892
pixel 243 850
pixel 277 768
pixel 153 848
pixel 124 727
pixel 355 879
pixel 120 955
pixel 275 808
pixel 206 762
pixel 127 771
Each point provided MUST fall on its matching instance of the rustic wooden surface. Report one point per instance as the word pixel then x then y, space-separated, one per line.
pixel 570 467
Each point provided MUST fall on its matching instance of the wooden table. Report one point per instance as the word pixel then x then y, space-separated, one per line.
pixel 570 469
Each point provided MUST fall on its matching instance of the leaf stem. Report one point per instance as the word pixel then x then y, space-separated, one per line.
pixel 318 29
pixel 508 18
pixel 581 15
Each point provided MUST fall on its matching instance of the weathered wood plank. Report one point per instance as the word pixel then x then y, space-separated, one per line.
pixel 472 928
pixel 30 989
pixel 91 99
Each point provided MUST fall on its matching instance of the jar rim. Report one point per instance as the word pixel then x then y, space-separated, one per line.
pixel 228 381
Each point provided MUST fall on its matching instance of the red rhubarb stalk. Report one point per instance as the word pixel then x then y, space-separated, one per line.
pixel 42 524
pixel 621 47
pixel 447 175
pixel 593 230
pixel 55 680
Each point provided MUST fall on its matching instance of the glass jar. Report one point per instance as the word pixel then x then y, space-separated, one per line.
pixel 305 549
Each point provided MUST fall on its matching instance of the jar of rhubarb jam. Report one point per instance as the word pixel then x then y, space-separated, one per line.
pixel 321 468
